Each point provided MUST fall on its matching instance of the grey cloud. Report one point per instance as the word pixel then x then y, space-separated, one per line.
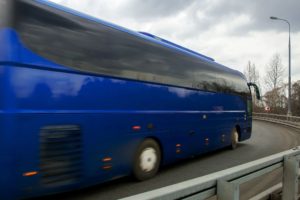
pixel 259 13
pixel 288 9
pixel 222 11
pixel 213 12
pixel 153 9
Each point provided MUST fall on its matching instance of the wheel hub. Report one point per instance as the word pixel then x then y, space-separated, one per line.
pixel 236 137
pixel 148 159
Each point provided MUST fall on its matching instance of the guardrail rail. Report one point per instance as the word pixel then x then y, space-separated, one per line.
pixel 225 185
pixel 291 121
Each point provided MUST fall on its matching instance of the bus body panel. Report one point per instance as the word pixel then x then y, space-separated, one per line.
pixel 44 98
pixel 8 158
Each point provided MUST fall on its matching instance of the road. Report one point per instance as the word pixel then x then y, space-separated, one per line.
pixel 267 139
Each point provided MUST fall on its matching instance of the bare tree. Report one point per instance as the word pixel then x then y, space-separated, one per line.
pixel 275 96
pixel 274 73
pixel 251 73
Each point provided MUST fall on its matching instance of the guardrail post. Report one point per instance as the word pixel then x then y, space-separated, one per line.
pixel 290 178
pixel 227 190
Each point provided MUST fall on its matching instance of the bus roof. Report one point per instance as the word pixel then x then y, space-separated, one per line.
pixel 176 45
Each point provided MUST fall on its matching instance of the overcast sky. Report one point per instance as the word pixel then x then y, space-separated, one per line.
pixel 232 32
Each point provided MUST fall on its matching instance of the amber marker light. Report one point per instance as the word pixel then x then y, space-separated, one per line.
pixel 136 128
pixel 108 159
pixel 28 174
pixel 108 167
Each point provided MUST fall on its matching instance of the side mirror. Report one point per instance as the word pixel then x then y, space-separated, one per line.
pixel 256 90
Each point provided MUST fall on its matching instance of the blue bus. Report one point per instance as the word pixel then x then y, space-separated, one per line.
pixel 84 101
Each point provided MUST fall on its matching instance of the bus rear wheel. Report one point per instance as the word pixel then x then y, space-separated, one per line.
pixel 234 139
pixel 147 160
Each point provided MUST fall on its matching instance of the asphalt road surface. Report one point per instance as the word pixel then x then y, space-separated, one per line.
pixel 267 139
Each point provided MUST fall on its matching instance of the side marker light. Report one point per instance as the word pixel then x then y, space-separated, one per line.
pixel 108 159
pixel 136 128
pixel 107 167
pixel 28 174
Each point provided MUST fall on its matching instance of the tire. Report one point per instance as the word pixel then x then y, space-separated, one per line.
pixel 147 160
pixel 234 139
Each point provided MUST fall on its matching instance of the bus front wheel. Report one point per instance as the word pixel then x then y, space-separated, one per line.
pixel 234 139
pixel 147 160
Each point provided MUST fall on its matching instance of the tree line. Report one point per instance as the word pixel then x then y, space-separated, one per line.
pixel 275 89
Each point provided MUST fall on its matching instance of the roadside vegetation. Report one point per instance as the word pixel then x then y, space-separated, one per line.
pixel 274 88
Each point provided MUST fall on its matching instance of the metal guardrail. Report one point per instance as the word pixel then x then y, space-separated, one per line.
pixel 225 185
pixel 280 119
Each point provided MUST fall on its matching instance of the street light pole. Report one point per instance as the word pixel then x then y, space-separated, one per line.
pixel 289 113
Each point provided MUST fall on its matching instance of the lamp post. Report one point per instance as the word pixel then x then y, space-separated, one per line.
pixel 289 92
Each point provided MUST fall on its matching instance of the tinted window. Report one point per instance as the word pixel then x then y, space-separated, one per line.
pixel 89 46
pixel 5 12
